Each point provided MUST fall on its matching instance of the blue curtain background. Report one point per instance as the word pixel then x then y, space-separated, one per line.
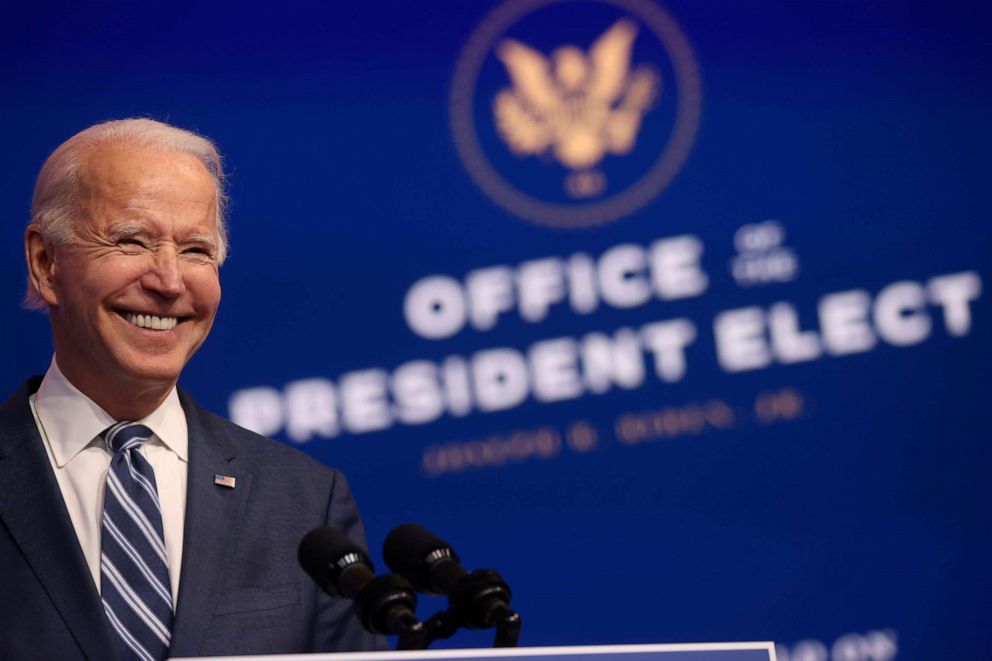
pixel 859 506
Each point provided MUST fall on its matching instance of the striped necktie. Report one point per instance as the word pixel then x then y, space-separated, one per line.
pixel 134 572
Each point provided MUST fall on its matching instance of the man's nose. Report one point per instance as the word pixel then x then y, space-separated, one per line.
pixel 165 275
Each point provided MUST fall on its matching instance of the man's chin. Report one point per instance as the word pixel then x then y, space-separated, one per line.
pixel 150 371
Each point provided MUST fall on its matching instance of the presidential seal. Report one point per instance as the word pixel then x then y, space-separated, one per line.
pixel 574 113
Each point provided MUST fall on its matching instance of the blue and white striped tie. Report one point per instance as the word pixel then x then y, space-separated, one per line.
pixel 134 583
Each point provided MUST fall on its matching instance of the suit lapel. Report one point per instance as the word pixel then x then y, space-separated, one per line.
pixel 213 517
pixel 32 509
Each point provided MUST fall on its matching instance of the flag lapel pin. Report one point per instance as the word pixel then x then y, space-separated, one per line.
pixel 225 481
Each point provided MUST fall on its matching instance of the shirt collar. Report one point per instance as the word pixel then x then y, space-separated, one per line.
pixel 71 420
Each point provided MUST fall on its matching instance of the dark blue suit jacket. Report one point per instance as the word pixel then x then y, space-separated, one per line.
pixel 241 590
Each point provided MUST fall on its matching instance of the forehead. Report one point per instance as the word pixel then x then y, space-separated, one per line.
pixel 128 176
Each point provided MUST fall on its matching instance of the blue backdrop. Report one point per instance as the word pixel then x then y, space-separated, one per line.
pixel 767 426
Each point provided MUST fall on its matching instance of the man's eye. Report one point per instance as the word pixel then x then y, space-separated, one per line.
pixel 136 243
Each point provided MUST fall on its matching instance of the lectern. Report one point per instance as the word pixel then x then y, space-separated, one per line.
pixel 678 652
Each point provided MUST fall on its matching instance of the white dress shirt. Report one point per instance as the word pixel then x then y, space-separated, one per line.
pixel 70 424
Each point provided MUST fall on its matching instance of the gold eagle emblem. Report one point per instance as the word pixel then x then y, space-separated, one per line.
pixel 574 105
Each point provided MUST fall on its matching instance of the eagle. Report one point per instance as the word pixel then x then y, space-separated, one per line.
pixel 577 106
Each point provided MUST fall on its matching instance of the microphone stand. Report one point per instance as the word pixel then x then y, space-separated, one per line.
pixel 445 624
pixel 413 635
pixel 479 601
pixel 507 626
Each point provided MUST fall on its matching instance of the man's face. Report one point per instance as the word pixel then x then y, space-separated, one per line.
pixel 135 293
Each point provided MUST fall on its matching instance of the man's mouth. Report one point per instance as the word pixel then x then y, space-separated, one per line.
pixel 150 321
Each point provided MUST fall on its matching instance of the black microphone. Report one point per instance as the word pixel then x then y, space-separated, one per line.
pixel 341 568
pixel 479 599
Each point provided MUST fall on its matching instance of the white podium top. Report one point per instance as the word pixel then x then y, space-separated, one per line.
pixel 758 651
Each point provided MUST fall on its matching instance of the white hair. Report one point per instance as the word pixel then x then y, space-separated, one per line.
pixel 56 194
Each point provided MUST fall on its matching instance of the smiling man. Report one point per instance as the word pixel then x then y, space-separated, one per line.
pixel 135 524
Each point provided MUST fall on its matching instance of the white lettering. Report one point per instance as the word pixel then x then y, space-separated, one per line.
pixel 311 409
pixel 844 322
pixel 541 283
pixel 622 280
pixel 582 283
pixel 490 293
pixel 740 340
pixel 417 393
pixel 257 409
pixel 434 307
pixel 954 292
pixel 675 270
pixel 554 370
pixel 900 318
pixel 759 236
pixel 668 340
pixel 457 393
pixel 364 404
pixel 606 361
pixel 789 344
pixel 499 377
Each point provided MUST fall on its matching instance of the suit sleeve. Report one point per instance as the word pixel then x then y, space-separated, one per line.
pixel 337 628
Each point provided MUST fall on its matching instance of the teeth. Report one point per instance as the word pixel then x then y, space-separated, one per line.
pixel 151 321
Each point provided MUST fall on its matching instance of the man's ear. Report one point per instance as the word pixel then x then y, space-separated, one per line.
pixel 40 257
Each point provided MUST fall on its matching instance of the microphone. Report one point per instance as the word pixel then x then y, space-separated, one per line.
pixel 341 568
pixel 479 599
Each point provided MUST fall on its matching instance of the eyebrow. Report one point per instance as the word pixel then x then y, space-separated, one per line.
pixel 206 239
pixel 126 230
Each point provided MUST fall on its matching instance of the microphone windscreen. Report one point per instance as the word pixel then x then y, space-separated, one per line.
pixel 406 549
pixel 321 549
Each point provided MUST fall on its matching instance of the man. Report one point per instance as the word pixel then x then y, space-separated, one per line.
pixel 175 535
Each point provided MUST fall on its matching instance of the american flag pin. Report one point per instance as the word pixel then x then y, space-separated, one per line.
pixel 225 481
